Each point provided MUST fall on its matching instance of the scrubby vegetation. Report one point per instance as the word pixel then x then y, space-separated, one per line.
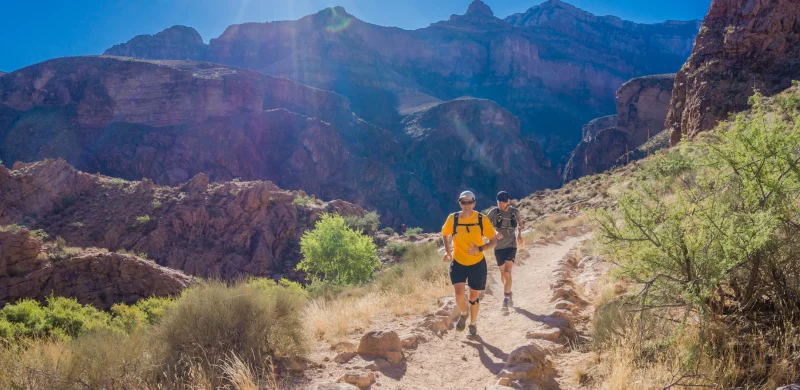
pixel 368 224
pixel 212 336
pixel 709 233
pixel 336 253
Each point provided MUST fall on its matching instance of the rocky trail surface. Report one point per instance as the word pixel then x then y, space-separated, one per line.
pixel 516 347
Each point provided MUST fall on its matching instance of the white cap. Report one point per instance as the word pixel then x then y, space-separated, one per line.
pixel 466 194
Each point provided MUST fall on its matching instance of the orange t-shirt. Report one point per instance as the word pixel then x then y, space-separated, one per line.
pixel 465 237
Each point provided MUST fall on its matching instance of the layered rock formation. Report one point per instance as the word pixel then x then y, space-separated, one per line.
pixel 590 130
pixel 95 277
pixel 743 45
pixel 642 105
pixel 170 120
pixel 174 43
pixel 554 66
pixel 201 228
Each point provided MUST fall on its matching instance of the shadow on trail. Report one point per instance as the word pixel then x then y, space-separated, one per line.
pixel 482 346
pixel 547 320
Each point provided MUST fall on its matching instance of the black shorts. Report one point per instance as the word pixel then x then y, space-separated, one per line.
pixel 474 275
pixel 505 254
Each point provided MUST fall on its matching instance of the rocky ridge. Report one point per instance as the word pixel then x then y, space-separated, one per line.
pixel 642 105
pixel 743 45
pixel 205 229
pixel 554 66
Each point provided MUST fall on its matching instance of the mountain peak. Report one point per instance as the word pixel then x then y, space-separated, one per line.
pixel 479 7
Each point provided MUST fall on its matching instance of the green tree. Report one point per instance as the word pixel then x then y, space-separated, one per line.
pixel 334 252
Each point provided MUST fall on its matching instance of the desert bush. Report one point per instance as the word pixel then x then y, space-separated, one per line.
pixel 388 231
pixel 255 320
pixel 62 318
pixel 413 232
pixel 709 232
pixel 368 224
pixel 334 252
pixel 397 249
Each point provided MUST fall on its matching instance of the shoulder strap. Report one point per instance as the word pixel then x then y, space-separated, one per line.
pixel 480 222
pixel 455 222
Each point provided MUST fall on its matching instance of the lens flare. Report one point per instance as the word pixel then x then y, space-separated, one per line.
pixel 338 22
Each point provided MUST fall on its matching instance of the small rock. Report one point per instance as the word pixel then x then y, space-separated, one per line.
pixel 385 344
pixel 335 386
pixel 564 305
pixel 522 371
pixel 411 341
pixel 358 378
pixel 790 387
pixel 499 387
pixel 544 334
pixel 532 352
pixel 326 359
pixel 344 357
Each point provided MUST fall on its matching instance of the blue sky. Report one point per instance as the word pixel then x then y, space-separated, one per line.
pixel 34 31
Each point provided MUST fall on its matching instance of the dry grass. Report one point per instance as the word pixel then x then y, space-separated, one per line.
pixel 215 337
pixel 409 288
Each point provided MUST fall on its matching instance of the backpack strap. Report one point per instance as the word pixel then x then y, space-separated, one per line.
pixel 455 223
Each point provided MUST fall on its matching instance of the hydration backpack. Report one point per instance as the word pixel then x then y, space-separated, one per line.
pixel 455 223
pixel 499 221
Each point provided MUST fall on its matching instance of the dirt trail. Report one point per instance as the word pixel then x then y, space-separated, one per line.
pixel 458 362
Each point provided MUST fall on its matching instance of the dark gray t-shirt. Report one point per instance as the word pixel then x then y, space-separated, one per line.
pixel 509 239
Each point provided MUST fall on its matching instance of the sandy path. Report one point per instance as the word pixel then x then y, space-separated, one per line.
pixel 457 362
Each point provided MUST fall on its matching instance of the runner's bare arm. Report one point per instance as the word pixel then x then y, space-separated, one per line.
pixel 448 250
pixel 520 226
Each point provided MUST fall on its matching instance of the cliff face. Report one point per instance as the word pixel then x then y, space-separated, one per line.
pixel 642 105
pixel 743 45
pixel 553 66
pixel 170 120
pixel 201 228
pixel 92 276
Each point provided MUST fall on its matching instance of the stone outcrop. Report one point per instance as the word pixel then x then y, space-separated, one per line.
pixel 383 344
pixel 174 43
pixel 95 277
pixel 204 229
pixel 743 45
pixel 642 105
pixel 553 66
pixel 590 130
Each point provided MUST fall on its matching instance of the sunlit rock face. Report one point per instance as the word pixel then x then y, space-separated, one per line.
pixel 554 66
pixel 171 120
pixel 743 45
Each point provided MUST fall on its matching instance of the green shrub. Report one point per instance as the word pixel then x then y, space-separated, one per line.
pixel 305 200
pixel 412 232
pixel 368 224
pixel 62 318
pixel 397 249
pixel 709 230
pixel 143 219
pixel 388 231
pixel 255 320
pixel 336 253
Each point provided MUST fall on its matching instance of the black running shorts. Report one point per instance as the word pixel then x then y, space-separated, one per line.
pixel 474 275
pixel 505 254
